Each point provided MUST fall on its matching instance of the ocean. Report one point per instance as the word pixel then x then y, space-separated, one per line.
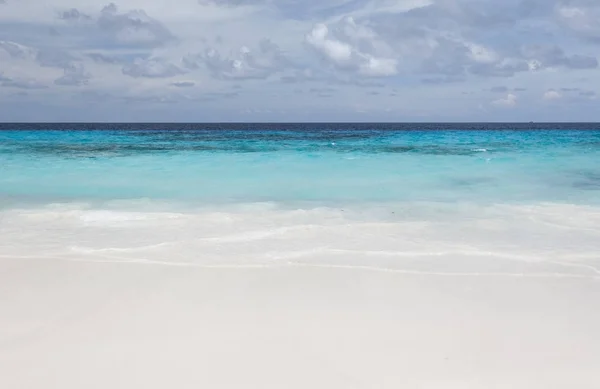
pixel 506 199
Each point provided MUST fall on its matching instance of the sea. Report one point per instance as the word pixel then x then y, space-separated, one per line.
pixel 510 200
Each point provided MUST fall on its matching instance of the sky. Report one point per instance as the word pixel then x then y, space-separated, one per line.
pixel 299 60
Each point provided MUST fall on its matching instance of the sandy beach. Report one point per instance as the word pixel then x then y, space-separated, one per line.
pixel 300 257
pixel 69 324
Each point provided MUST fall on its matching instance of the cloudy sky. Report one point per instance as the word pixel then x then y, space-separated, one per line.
pixel 299 60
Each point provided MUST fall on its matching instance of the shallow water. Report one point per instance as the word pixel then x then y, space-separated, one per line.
pixel 504 199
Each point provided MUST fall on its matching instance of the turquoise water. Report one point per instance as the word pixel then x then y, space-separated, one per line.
pixel 504 200
pixel 301 163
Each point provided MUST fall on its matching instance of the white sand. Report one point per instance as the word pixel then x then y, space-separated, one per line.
pixel 402 296
pixel 74 325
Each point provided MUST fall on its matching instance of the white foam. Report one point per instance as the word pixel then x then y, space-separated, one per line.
pixel 111 216
pixel 89 250
pixel 467 238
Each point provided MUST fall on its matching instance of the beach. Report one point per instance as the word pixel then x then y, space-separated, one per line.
pixel 75 324
pixel 303 258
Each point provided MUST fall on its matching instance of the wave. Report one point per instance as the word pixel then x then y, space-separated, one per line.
pixel 544 238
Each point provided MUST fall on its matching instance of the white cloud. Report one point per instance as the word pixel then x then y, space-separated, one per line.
pixel 379 66
pixel 338 52
pixel 509 101
pixel 551 95
pixel 580 16
pixel 481 54
pixel 355 50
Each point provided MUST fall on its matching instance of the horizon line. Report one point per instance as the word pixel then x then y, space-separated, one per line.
pixel 295 122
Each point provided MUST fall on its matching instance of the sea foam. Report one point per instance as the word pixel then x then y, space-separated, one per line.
pixel 550 238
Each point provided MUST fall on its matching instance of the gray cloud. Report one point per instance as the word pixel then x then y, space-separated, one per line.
pixel 214 96
pixel 431 40
pixel 581 62
pixel 499 69
pixel 464 16
pixel 456 59
pixel 20 83
pixel 355 81
pixel 453 39
pixel 578 93
pixel 101 58
pixel 296 9
pixel 133 27
pixel 54 58
pixel 259 63
pixel 230 3
pixel 465 60
pixel 172 98
pixel 448 58
pixel 504 89
pixel 553 56
pixel 152 68
pixel 442 80
pixel 160 99
pixel 299 76
pixel 23 84
pixel 183 84
pixel 45 57
pixel 322 92
pixel 73 14
pixel 499 89
pixel 16 50
pixel 74 75
pixel 581 17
